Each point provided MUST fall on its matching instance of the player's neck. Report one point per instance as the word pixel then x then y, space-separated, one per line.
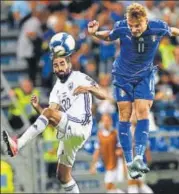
pixel 65 78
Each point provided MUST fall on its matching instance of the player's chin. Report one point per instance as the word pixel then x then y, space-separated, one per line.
pixel 137 34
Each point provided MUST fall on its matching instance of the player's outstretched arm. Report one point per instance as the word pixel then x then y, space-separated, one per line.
pixel 174 31
pixel 35 104
pixel 94 90
pixel 93 30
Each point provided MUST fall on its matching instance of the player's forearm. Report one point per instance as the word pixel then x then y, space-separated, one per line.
pixel 175 31
pixel 38 109
pixel 103 35
pixel 98 93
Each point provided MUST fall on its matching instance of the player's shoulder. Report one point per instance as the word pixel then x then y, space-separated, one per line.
pixel 78 75
pixel 157 24
pixel 75 73
pixel 121 24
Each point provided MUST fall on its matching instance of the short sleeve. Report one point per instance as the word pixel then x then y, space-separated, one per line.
pixel 165 30
pixel 115 32
pixel 54 96
pixel 88 81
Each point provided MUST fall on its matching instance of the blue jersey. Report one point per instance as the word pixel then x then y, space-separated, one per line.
pixel 136 56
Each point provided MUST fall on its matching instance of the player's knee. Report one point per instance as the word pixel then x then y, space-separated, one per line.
pixel 142 112
pixel 124 115
pixel 47 112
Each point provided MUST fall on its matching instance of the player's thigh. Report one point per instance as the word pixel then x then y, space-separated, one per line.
pixel 125 110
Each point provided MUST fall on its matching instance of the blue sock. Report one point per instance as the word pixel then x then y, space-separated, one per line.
pixel 126 140
pixel 141 137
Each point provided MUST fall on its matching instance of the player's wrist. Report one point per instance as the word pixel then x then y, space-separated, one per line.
pixel 95 33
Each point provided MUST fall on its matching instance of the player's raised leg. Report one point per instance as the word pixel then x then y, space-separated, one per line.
pixel 13 146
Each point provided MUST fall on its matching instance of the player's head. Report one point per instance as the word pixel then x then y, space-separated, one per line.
pixel 62 45
pixel 137 19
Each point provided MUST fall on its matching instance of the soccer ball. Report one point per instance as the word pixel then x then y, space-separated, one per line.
pixel 62 45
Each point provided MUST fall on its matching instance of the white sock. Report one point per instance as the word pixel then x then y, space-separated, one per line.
pixel 34 130
pixel 145 189
pixel 71 187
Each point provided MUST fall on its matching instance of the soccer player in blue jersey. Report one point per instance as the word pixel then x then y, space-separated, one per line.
pixel 133 76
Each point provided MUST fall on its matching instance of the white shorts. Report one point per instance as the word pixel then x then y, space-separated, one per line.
pixel 115 175
pixel 72 140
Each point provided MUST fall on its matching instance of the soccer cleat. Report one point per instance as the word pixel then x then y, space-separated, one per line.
pixel 133 173
pixel 11 144
pixel 140 166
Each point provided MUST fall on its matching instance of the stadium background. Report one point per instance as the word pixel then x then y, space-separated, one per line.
pixel 27 172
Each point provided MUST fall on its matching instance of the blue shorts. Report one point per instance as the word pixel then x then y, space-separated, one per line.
pixel 143 88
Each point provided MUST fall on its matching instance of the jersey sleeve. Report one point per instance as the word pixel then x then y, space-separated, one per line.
pixel 87 81
pixel 115 32
pixel 164 29
pixel 53 96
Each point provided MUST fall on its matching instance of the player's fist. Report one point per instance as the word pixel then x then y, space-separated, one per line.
pixel 35 101
pixel 93 27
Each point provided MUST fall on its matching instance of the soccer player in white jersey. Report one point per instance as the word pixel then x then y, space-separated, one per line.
pixel 69 111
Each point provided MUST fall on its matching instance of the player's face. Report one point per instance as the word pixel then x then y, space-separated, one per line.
pixel 60 66
pixel 137 27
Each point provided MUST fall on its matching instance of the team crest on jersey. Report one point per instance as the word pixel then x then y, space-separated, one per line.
pixel 154 38
pixel 70 86
pixel 122 93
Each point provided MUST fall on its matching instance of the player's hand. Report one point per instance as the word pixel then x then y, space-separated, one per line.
pixel 93 27
pixel 81 90
pixel 35 101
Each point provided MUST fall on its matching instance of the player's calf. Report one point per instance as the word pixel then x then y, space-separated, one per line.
pixel 67 182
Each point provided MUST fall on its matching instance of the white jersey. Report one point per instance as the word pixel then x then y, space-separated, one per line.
pixel 78 107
